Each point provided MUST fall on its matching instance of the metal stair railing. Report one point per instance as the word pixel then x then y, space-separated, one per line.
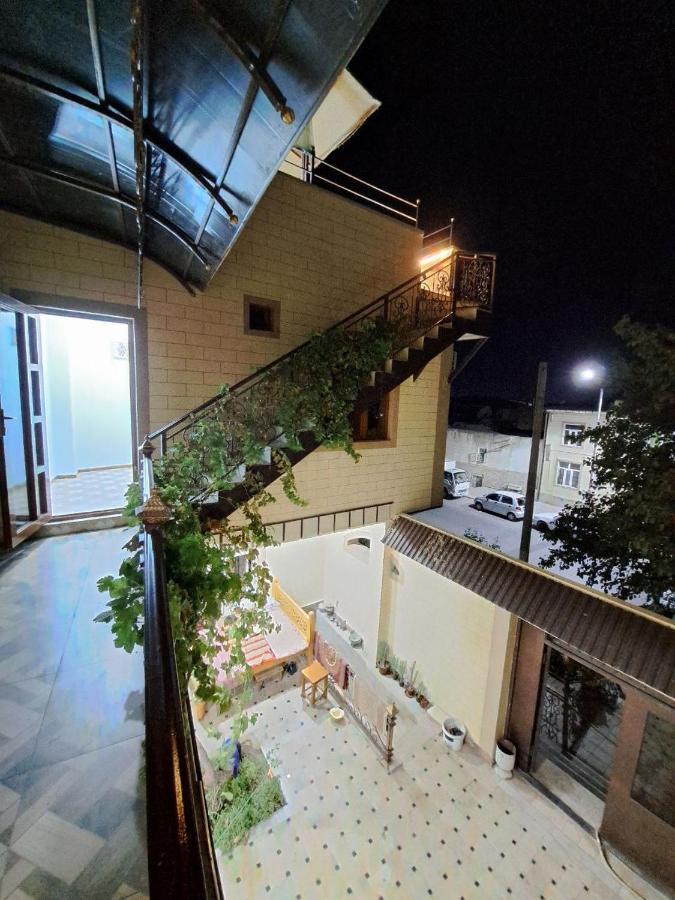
pixel 423 302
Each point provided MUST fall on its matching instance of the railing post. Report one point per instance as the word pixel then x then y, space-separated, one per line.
pixel 181 860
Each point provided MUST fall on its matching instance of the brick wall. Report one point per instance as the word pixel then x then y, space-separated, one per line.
pixel 321 256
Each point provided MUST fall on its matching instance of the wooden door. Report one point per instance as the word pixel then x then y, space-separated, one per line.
pixel 639 817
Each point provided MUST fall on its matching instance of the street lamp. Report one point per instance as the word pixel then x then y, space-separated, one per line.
pixel 591 373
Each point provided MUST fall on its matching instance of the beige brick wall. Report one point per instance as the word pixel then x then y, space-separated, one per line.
pixel 320 255
pixel 403 474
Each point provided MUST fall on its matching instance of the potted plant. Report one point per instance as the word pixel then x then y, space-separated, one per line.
pixel 410 688
pixel 396 668
pixel 422 698
pixel 383 664
pixel 402 670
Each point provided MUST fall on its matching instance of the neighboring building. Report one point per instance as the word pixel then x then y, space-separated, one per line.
pixel 496 456
pixel 565 473
pixel 490 458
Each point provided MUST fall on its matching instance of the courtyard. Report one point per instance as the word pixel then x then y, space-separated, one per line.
pixel 438 824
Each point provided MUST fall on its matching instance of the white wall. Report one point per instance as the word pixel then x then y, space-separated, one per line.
pixel 324 568
pixel 459 641
pixel 87 401
pixel 506 460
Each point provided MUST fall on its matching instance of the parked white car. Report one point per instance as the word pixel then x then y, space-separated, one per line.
pixel 545 521
pixel 504 503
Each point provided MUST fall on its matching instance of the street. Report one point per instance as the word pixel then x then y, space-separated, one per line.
pixel 457 515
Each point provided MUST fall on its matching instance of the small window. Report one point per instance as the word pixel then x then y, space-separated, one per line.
pixel 571 434
pixel 568 474
pixel 261 316
pixel 477 480
pixel 480 456
pixel 372 424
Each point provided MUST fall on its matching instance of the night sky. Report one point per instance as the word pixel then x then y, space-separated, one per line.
pixel 547 130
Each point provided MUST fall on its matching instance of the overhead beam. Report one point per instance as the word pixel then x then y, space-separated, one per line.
pixel 108 112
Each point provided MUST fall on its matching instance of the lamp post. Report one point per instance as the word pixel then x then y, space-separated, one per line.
pixel 591 373
pixel 588 375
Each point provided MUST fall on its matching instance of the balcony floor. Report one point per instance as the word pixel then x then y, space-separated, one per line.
pixel 72 816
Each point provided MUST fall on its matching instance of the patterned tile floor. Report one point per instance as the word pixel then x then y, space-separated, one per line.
pixel 439 824
pixel 90 491
pixel 72 818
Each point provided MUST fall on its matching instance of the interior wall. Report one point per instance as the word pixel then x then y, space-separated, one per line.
pixel 87 399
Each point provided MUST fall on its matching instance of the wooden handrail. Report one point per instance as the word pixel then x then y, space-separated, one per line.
pixel 181 858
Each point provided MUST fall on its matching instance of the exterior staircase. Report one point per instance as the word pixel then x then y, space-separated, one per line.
pixel 448 302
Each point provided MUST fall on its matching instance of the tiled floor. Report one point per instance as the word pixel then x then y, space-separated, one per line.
pixel 72 819
pixel 90 491
pixel 439 825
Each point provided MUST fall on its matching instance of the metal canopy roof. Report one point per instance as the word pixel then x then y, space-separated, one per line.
pixel 638 644
pixel 224 89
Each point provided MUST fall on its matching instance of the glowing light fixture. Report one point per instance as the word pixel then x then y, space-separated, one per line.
pixel 588 373
pixel 432 258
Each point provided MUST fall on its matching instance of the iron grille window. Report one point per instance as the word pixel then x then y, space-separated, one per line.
pixel 571 434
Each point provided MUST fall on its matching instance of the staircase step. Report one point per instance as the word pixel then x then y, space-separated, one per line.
pixel 386 380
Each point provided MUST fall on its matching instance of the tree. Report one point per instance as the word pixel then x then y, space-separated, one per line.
pixel 621 535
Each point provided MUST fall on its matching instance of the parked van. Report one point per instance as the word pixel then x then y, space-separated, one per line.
pixel 455 482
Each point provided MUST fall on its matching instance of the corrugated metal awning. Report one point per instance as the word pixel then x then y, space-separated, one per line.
pixel 638 644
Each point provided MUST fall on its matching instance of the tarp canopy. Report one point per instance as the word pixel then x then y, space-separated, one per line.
pixel 344 110
pixel 219 79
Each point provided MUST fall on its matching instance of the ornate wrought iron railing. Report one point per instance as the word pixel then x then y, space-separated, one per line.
pixel 431 298
pixel 181 857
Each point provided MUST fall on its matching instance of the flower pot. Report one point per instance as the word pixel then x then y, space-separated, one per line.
pixel 505 758
pixel 410 691
pixel 384 668
pixel 453 733
pixel 200 709
pixel 423 702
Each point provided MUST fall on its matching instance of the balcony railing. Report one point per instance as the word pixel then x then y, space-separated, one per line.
pixel 314 170
pixel 181 857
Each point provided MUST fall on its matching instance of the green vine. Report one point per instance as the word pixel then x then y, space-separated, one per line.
pixel 214 600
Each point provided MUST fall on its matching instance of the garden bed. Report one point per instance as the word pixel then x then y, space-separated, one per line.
pixel 235 805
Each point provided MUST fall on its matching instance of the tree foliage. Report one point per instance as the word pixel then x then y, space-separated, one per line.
pixel 621 535
pixel 214 601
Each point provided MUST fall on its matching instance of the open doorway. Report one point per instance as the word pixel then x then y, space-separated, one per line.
pixel 87 412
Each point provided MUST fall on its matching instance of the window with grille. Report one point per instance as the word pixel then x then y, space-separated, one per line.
pixel 571 435
pixel 568 474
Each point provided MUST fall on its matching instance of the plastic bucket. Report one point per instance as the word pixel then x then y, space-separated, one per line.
pixel 454 733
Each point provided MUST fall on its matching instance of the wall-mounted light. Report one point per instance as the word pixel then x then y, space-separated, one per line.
pixel 437 256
